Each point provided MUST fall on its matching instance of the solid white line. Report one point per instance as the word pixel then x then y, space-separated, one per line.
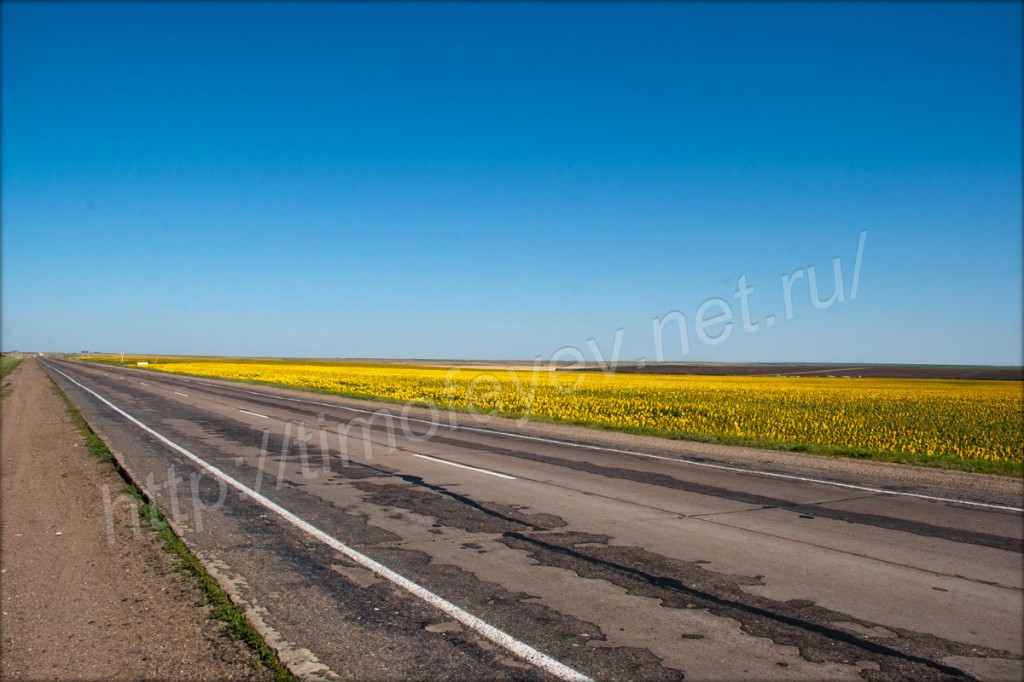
pixel 503 639
pixel 681 460
pixel 184 394
pixel 464 466
pixel 255 414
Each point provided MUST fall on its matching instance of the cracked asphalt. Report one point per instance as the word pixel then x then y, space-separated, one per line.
pixel 620 557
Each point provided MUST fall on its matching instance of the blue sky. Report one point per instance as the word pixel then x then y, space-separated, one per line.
pixel 512 180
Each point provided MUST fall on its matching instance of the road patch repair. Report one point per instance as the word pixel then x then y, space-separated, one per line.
pixel 84 595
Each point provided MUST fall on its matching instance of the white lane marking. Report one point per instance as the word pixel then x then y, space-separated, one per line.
pixel 681 460
pixel 464 466
pixel 503 639
pixel 255 414
pixel 790 477
pixel 178 393
pixel 143 383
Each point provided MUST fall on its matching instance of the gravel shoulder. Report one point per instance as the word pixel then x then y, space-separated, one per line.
pixel 84 595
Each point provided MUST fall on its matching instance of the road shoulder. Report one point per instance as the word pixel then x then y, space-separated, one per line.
pixel 85 595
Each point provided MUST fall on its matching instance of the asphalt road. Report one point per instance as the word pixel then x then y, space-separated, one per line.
pixel 430 546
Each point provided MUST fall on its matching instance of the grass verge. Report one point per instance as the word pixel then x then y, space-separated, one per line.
pixel 7 365
pixel 97 448
pixel 232 615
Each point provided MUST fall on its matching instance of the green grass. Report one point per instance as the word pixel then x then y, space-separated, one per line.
pixel 93 443
pixel 7 365
pixel 232 615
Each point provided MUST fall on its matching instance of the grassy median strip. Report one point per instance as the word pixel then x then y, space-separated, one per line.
pixel 231 614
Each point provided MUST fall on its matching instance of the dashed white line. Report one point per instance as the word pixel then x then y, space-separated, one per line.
pixel 464 466
pixel 255 414
pixel 634 453
pixel 500 637
pixel 179 393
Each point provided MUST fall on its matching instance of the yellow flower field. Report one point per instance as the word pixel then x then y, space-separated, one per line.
pixel 976 420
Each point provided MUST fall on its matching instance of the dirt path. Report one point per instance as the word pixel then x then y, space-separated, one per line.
pixel 76 605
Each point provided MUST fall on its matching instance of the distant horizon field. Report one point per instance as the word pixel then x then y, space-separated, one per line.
pixel 774 368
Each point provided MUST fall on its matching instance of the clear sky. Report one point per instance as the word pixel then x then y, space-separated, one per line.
pixel 512 180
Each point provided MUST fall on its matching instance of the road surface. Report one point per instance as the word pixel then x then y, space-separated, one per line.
pixel 384 542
